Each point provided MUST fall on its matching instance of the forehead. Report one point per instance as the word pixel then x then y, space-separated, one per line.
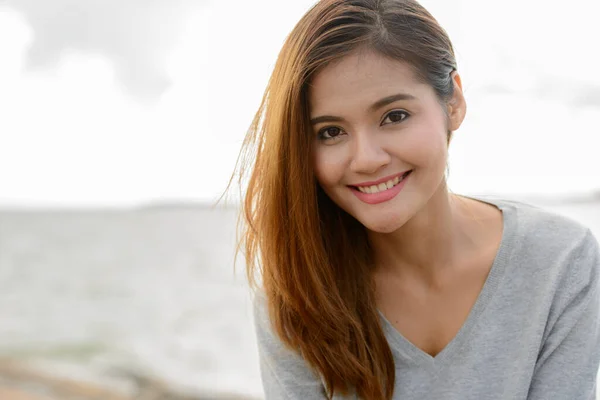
pixel 362 77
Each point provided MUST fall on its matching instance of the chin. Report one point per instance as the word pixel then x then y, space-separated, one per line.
pixel 382 225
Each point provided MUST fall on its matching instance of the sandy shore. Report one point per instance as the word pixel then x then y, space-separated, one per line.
pixel 20 382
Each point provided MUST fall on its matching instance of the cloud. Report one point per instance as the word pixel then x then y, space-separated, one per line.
pixel 136 35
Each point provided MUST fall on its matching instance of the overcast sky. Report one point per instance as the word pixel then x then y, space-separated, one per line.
pixel 135 35
pixel 125 102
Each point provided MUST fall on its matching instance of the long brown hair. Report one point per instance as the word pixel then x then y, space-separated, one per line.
pixel 313 258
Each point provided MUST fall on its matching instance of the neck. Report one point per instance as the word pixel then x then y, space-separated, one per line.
pixel 427 246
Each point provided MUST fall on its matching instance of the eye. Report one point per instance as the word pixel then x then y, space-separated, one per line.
pixel 329 133
pixel 395 116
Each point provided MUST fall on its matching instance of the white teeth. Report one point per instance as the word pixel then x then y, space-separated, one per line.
pixel 381 187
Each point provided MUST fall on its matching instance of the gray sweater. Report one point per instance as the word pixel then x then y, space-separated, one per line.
pixel 533 333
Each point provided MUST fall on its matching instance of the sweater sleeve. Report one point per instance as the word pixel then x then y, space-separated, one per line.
pixel 567 364
pixel 285 375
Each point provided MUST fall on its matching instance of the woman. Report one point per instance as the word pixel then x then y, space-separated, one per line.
pixel 377 282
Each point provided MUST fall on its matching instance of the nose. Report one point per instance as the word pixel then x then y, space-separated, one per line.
pixel 368 153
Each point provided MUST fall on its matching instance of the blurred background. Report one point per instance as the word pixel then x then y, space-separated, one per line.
pixel 120 124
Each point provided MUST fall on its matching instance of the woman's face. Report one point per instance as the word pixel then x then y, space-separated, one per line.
pixel 372 121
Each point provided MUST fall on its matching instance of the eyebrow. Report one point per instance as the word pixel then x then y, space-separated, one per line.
pixel 376 106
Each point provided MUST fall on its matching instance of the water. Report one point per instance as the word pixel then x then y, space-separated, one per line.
pixel 112 296
pixel 109 295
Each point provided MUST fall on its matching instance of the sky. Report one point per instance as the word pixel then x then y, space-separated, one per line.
pixel 122 103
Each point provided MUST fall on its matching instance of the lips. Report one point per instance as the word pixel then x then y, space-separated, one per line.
pixel 382 180
pixel 378 194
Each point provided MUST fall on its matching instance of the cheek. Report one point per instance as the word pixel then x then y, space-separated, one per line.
pixel 429 143
pixel 328 166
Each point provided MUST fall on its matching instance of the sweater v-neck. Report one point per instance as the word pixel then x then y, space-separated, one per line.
pixel 411 353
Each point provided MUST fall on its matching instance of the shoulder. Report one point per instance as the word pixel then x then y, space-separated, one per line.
pixel 285 374
pixel 555 234
pixel 552 249
pixel 266 333
pixel 546 245
pixel 540 228
pixel 261 315
pixel 271 347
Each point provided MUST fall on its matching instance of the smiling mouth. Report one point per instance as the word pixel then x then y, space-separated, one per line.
pixel 382 186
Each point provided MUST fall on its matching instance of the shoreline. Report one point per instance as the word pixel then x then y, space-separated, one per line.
pixel 19 381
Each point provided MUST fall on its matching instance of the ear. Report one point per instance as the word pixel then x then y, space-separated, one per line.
pixel 457 106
